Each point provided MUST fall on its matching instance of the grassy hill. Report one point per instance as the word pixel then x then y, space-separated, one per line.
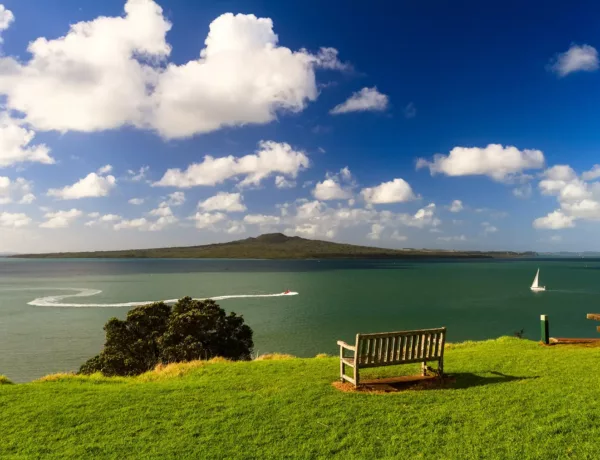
pixel 510 398
pixel 277 246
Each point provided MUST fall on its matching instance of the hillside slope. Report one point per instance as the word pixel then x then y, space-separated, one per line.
pixel 510 399
pixel 276 246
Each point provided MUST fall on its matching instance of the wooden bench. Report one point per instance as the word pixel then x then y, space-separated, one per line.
pixel 393 348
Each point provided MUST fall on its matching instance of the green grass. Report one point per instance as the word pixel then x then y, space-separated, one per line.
pixel 511 399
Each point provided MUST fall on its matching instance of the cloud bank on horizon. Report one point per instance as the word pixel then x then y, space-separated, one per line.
pixel 118 80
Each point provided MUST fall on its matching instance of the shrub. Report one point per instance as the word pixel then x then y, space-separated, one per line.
pixel 5 380
pixel 156 333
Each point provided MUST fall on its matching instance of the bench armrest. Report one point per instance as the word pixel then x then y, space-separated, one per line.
pixel 343 344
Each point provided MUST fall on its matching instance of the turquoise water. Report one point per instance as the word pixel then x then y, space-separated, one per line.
pixel 337 299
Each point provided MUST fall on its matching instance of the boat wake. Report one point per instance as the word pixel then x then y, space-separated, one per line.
pixel 57 300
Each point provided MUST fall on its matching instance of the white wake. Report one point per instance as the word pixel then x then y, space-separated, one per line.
pixel 56 300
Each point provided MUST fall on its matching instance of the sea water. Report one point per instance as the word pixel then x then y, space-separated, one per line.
pixel 52 311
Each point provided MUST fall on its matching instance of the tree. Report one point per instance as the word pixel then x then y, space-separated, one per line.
pixel 202 330
pixel 156 333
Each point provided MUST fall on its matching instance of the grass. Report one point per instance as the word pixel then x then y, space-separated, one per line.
pixel 511 399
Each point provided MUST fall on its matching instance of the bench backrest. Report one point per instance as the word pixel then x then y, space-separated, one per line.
pixel 390 348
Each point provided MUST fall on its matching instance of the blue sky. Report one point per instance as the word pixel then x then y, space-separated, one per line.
pixel 140 123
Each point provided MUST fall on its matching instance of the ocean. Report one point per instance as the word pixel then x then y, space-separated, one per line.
pixel 475 300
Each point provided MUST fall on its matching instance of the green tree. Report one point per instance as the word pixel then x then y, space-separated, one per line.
pixel 156 333
pixel 202 330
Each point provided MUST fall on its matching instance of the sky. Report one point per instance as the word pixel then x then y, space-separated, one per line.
pixel 141 123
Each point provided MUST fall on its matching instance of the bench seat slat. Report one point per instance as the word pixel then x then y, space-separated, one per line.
pixel 401 333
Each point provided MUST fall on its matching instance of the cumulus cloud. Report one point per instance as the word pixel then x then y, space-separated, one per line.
pixel 272 157
pixel 139 224
pixel 365 100
pixel 223 201
pixel 207 220
pixel 60 219
pixel 18 190
pixel 329 189
pixel 577 58
pixel 235 228
pixel 16 144
pixel 488 228
pixel 92 185
pixel 577 198
pixel 375 233
pixel 498 162
pixel 136 201
pixel 554 221
pixel 456 206
pixel 261 219
pixel 422 218
pixel 6 18
pixel 14 220
pixel 592 174
pixel 395 191
pixel 94 78
pixel 243 76
pixel 282 182
pixel 175 199
pixel 105 169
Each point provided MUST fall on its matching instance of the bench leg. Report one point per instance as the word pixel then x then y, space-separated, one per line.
pixel 356 375
pixel 424 368
pixel 342 365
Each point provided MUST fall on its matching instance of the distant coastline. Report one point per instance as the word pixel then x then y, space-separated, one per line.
pixel 279 246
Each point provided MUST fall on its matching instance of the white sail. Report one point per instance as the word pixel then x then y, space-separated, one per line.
pixel 535 280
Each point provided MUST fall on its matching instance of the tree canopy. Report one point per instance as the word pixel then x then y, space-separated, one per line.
pixel 156 333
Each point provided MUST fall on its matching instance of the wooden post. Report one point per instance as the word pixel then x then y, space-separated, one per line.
pixel 342 367
pixel 545 329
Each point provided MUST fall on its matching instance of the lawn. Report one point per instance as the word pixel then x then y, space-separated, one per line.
pixel 511 398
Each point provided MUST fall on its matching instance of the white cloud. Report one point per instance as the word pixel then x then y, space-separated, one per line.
pixel 375 233
pixel 207 219
pixel 94 215
pixel 137 176
pixel 488 228
pixel 554 221
pixel 15 144
pixel 524 191
pixel 18 190
pixel 395 191
pixel 90 79
pixel 92 185
pixel 6 18
pixel 282 182
pixel 139 224
pixel 14 220
pixel 110 218
pixel 261 219
pixel 410 111
pixel 113 71
pixel 163 210
pixel 272 157
pixel 223 201
pixel 136 201
pixel 105 169
pixel 162 222
pixel 398 237
pixel 498 162
pixel 329 189
pixel 235 228
pixel 175 199
pixel 456 206
pixel 367 99
pixel 592 174
pixel 577 58
pixel 60 219
pixel 424 217
pixel 242 77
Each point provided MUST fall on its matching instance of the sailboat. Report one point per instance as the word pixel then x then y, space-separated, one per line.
pixel 535 287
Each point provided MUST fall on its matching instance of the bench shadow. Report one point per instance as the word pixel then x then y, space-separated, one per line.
pixel 453 381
